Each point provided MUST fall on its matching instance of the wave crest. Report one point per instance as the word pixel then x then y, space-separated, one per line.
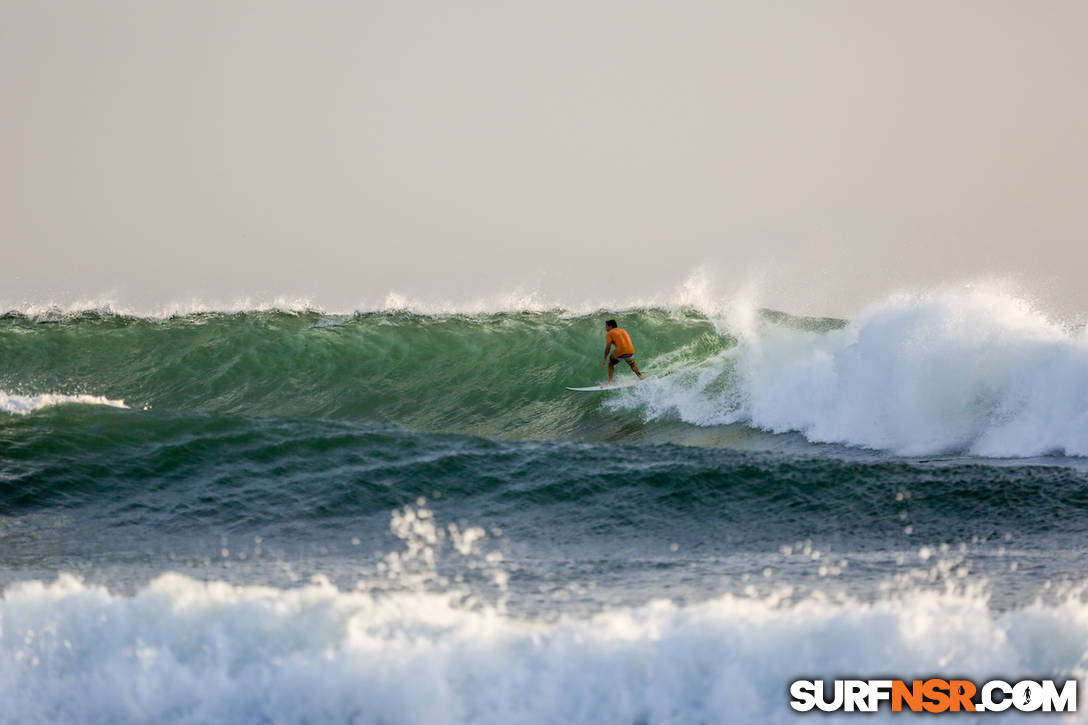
pixel 977 372
pixel 26 404
pixel 182 650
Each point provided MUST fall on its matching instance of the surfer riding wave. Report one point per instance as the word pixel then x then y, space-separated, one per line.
pixel 624 349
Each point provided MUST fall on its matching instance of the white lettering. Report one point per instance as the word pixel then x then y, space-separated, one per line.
pixel 803 693
pixel 1065 701
pixel 829 705
pixel 1027 696
pixel 879 690
pixel 988 702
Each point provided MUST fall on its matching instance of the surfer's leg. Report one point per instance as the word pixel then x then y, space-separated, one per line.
pixel 634 367
pixel 611 368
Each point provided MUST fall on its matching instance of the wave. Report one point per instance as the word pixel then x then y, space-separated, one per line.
pixel 695 293
pixel 500 374
pixel 413 644
pixel 186 475
pixel 105 307
pixel 975 372
pixel 186 651
pixel 26 404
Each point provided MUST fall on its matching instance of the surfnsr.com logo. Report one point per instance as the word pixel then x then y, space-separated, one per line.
pixel 933 695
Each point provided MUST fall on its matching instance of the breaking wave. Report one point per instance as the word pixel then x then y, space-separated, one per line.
pixel 965 372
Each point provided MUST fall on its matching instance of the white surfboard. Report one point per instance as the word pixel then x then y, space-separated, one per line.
pixel 606 386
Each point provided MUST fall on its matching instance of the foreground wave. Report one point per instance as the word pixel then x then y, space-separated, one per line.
pixel 186 651
pixel 969 372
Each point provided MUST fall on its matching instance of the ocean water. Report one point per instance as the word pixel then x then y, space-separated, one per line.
pixel 285 515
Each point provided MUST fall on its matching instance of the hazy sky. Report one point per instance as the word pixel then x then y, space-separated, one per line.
pixel 158 151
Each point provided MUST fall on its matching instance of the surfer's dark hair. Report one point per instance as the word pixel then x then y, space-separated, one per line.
pixel 610 323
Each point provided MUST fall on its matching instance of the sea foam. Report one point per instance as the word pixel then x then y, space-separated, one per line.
pixel 26 404
pixel 975 371
pixel 186 651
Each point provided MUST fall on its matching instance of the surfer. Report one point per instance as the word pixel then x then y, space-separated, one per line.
pixel 625 349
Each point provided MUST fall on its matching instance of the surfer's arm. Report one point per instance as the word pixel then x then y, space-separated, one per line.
pixel 607 348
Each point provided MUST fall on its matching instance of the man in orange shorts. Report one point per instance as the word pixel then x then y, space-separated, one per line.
pixel 625 349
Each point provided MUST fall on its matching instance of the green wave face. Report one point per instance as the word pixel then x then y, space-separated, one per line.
pixel 502 374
